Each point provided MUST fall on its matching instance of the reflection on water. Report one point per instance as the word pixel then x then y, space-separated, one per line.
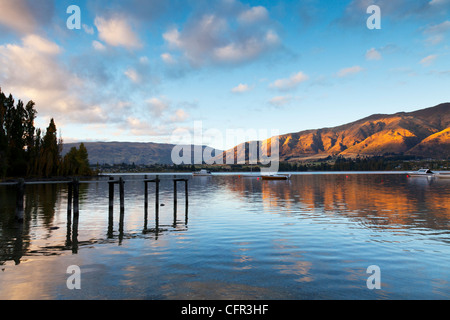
pixel 387 201
pixel 311 237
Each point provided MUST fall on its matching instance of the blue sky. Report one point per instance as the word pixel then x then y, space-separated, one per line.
pixel 144 70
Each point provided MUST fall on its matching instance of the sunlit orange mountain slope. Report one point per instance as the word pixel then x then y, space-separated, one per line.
pixel 424 133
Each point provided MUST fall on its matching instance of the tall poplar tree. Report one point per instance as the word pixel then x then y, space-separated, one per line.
pixel 50 156
pixel 24 151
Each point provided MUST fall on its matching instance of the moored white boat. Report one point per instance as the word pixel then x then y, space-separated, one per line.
pixel 422 173
pixel 202 173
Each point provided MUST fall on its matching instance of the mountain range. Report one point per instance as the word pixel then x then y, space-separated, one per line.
pixel 422 133
pixel 146 153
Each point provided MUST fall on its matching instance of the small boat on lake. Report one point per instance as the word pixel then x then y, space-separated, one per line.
pixel 202 173
pixel 422 173
pixel 276 177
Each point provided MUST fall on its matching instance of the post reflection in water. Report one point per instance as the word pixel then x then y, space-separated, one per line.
pixel 311 237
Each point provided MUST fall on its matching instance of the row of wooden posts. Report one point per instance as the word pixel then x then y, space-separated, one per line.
pixel 73 195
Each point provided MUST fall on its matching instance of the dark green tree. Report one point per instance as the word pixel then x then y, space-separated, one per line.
pixel 76 162
pixel 24 151
pixel 50 155
pixel 3 139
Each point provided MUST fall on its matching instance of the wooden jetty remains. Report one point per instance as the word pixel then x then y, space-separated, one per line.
pixel 73 198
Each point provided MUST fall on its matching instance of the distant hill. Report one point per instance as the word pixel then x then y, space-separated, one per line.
pixel 127 152
pixel 424 133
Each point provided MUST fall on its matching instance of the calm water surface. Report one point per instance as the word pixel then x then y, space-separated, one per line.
pixel 241 238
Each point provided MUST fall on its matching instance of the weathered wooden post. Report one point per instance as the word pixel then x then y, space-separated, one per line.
pixel 75 230
pixel 157 194
pixel 111 194
pixel 186 192
pixel 175 202
pixel 146 192
pixel 122 208
pixel 121 223
pixel 69 214
pixel 175 192
pixel 76 198
pixel 122 193
pixel 145 202
pixel 187 201
pixel 69 201
pixel 111 207
pixel 19 199
pixel 76 213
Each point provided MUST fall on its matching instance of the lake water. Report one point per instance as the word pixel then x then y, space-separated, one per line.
pixel 312 237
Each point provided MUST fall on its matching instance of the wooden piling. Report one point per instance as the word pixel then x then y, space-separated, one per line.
pixel 157 202
pixel 186 192
pixel 111 207
pixel 186 216
pixel 145 202
pixel 145 192
pixel 157 194
pixel 76 197
pixel 111 194
pixel 75 228
pixel 121 224
pixel 175 193
pixel 19 199
pixel 175 200
pixel 122 209
pixel 122 193
pixel 69 201
pixel 76 213
pixel 146 182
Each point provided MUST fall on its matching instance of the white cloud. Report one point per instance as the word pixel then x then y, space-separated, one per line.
pixel 349 71
pixel 117 32
pixel 139 127
pixel 224 37
pixel 144 60
pixel 428 60
pixel 88 29
pixel 291 82
pixel 280 101
pixel 436 33
pixel 33 64
pixel 173 38
pixel 179 116
pixel 98 45
pixel 242 51
pixel 373 54
pixel 157 106
pixel 438 2
pixel 38 44
pixel 32 71
pixel 254 14
pixel 133 75
pixel 438 28
pixel 17 16
pixel 168 58
pixel 241 88
pixel 434 40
